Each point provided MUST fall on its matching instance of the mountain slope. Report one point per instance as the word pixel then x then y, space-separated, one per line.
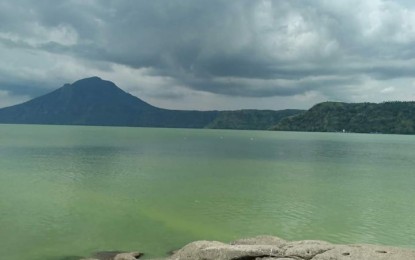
pixel 93 101
pixel 388 117
pixel 87 101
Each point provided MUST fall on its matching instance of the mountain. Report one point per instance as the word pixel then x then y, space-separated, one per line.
pixel 388 118
pixel 93 101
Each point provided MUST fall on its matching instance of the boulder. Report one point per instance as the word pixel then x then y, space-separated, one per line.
pixel 128 256
pixel 366 252
pixel 210 250
pixel 306 249
pixel 261 240
pixel 115 255
pixel 275 248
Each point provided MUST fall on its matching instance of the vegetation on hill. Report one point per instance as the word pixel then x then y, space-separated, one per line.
pixel 388 118
pixel 250 119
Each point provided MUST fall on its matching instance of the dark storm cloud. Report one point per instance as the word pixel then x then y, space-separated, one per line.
pixel 236 48
pixel 269 87
pixel 22 89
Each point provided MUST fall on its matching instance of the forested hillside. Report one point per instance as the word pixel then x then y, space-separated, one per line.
pixel 388 117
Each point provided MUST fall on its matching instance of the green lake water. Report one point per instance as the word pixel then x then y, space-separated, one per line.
pixel 70 191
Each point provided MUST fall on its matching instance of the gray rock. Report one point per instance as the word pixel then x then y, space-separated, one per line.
pixel 128 256
pixel 274 248
pixel 366 252
pixel 273 258
pixel 261 240
pixel 213 250
pixel 115 255
pixel 306 249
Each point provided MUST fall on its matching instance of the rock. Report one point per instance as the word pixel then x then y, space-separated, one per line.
pixel 273 258
pixel 213 250
pixel 115 255
pixel 274 248
pixel 128 256
pixel 306 249
pixel 261 240
pixel 366 252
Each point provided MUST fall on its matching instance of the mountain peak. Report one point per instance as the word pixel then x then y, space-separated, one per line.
pixel 95 83
pixel 93 79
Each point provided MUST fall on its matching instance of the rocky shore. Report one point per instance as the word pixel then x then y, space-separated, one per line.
pixel 272 248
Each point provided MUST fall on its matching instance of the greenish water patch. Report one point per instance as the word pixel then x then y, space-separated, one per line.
pixel 67 190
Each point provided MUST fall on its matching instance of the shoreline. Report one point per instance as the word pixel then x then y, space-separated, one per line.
pixel 271 248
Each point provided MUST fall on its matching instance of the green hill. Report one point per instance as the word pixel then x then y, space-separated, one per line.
pixel 250 119
pixel 388 118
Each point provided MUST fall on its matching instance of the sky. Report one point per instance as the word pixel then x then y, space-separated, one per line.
pixel 215 54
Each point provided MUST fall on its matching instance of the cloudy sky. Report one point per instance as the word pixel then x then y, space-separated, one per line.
pixel 212 54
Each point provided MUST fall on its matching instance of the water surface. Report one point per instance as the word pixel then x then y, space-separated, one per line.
pixel 71 190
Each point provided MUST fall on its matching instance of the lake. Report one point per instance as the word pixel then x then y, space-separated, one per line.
pixel 73 190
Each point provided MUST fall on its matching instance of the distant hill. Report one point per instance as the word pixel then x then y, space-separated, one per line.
pixel 388 118
pixel 250 119
pixel 93 101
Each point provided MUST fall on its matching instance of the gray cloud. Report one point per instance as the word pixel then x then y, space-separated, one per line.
pixel 244 48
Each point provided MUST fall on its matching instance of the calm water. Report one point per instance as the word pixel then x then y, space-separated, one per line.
pixel 68 191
